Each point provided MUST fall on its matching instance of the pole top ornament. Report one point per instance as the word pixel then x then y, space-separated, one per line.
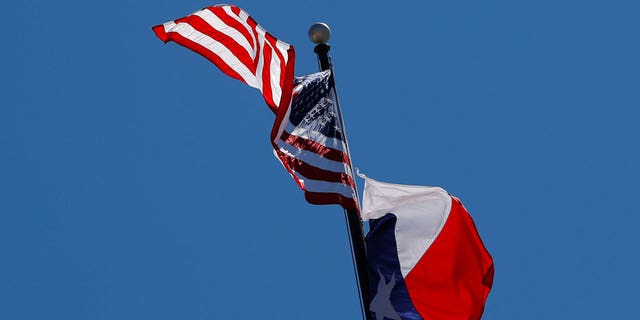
pixel 319 33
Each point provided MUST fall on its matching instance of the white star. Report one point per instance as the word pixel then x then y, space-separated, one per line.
pixel 381 303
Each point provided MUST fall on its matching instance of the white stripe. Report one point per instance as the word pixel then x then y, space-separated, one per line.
pixel 216 23
pixel 260 30
pixel 275 74
pixel 242 18
pixel 314 159
pixel 187 31
pixel 327 187
pixel 315 136
pixel 258 45
pixel 260 59
pixel 283 47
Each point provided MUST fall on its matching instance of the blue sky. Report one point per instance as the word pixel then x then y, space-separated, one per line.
pixel 137 181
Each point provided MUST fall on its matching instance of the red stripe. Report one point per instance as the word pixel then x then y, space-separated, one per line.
pixel 272 40
pixel 160 33
pixel 286 69
pixel 265 52
pixel 317 148
pixel 287 77
pixel 315 173
pixel 250 21
pixel 230 21
pixel 236 49
pixel 176 37
pixel 254 25
pixel 331 198
pixel 319 197
pixel 234 9
pixel 269 38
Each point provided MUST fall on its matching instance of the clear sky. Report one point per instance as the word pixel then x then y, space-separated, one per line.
pixel 137 181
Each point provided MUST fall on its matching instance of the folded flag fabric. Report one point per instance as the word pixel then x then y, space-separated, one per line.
pixel 227 36
pixel 426 259
pixel 309 141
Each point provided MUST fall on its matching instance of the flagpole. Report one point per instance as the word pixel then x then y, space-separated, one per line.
pixel 319 34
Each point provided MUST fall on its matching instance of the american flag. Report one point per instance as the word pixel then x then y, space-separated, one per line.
pixel 227 36
pixel 309 140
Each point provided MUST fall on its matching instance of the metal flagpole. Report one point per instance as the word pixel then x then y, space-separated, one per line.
pixel 319 34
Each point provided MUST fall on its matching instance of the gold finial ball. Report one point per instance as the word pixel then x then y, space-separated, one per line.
pixel 319 33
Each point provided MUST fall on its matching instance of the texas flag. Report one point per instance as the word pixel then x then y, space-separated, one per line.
pixel 426 259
